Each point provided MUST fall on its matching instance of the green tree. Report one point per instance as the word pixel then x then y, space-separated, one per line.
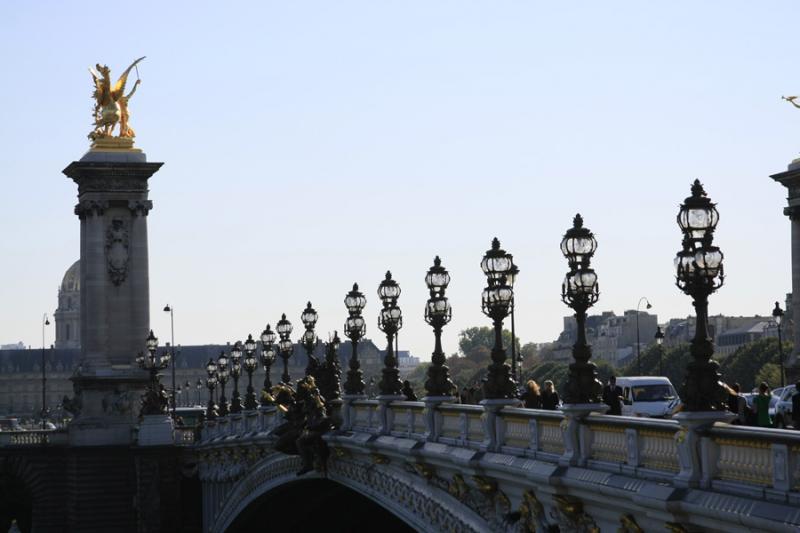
pixel 744 365
pixel 769 373
pixel 471 339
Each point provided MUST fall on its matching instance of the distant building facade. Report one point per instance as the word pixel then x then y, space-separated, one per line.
pixel 613 337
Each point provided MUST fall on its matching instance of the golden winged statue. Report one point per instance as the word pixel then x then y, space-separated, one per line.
pixel 111 108
pixel 791 100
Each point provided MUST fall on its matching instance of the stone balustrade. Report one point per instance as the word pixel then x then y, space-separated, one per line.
pixel 33 438
pixel 634 466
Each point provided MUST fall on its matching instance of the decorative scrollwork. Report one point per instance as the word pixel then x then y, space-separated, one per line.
pixel 571 516
pixel 628 524
pixel 117 251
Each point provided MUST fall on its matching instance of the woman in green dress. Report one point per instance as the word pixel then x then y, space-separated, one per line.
pixel 761 403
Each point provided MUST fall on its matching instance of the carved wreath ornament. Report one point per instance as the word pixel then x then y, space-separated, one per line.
pixel 117 251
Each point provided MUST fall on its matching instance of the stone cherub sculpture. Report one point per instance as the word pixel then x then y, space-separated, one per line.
pixel 111 104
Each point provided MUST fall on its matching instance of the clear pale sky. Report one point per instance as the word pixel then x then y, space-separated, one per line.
pixel 308 145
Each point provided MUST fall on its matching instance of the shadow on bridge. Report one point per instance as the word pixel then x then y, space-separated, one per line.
pixel 15 503
pixel 316 503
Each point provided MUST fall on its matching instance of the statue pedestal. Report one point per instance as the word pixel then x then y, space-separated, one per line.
pixel 387 415
pixel 433 418
pixel 110 401
pixel 688 440
pixel 576 435
pixel 156 430
pixel 490 409
pixel 347 410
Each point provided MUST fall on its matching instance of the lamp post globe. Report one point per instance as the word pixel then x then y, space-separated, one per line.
pixel 496 301
pixel 355 327
pixel 777 316
pixel 699 273
pixel 267 359
pixel 580 291
pixel 390 320
pixel 285 346
pixel 438 314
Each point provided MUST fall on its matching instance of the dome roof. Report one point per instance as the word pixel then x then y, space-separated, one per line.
pixel 72 278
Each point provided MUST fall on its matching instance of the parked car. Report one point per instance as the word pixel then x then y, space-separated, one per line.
pixel 783 407
pixel 648 396
pixel 10 424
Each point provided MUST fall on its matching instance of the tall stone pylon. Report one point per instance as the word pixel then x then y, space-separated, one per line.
pixel 112 207
pixel 791 180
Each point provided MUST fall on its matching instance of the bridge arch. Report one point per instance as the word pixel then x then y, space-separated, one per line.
pixel 418 505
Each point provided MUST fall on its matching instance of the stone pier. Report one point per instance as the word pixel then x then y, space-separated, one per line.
pixel 791 180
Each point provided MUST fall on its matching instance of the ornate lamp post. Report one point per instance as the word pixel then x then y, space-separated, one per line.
pixel 267 358
pixel 211 382
pixel 496 302
pixel 285 346
pixel 777 315
pixel 170 310
pixel 309 339
pixel 390 321
pixel 222 374
pixel 638 342
pixel 699 273
pixel 154 402
pixel 659 342
pixel 437 315
pixel 580 291
pixel 250 363
pixel 45 322
pixel 355 327
pixel 199 387
pixel 236 371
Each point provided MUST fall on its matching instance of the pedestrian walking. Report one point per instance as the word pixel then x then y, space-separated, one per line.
pixel 761 403
pixel 612 396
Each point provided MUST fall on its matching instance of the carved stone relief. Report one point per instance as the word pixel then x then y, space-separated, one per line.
pixel 117 251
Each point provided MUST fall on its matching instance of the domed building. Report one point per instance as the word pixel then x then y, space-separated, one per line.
pixel 68 315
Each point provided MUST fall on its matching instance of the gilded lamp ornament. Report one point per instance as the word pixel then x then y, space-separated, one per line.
pixel 111 109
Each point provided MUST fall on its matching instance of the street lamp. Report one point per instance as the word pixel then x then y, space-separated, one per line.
pixel 169 309
pixel 580 291
pixel 438 314
pixel 309 319
pixel 496 302
pixel 250 363
pixel 777 315
pixel 222 378
pixel 638 342
pixel 236 371
pixel 285 346
pixel 154 402
pixel 699 273
pixel 211 382
pixel 45 322
pixel 199 386
pixel 390 321
pixel 659 342
pixel 267 358
pixel 355 327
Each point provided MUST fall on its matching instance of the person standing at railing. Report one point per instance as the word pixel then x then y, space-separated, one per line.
pixel 532 397
pixel 737 404
pixel 761 403
pixel 550 398
pixel 408 392
pixel 612 396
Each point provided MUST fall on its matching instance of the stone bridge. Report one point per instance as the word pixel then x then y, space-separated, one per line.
pixel 450 467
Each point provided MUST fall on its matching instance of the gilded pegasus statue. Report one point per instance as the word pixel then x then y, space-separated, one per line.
pixel 111 103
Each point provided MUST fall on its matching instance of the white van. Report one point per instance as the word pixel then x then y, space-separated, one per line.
pixel 648 396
